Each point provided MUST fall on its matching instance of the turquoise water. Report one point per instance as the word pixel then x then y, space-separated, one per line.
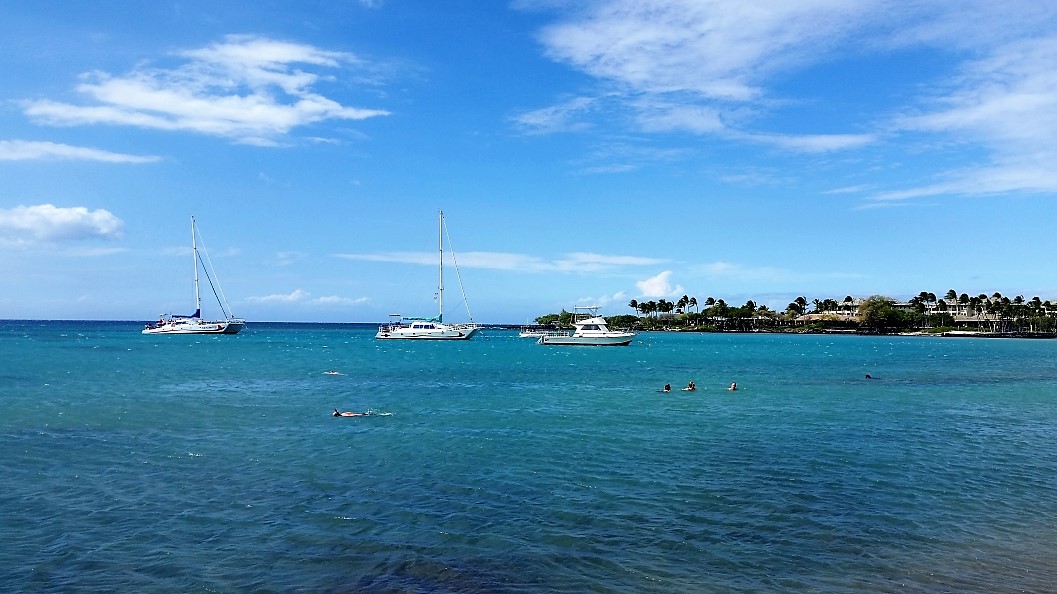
pixel 211 464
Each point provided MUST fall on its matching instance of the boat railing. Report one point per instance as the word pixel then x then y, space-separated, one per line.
pixel 533 333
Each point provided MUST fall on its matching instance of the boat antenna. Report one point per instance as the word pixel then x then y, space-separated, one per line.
pixel 458 274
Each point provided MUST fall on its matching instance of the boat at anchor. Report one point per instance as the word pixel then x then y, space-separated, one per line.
pixel 590 329
pixel 194 324
pixel 434 328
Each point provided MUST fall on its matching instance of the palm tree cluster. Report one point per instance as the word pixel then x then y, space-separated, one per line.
pixel 994 313
pixel 648 308
pixel 716 315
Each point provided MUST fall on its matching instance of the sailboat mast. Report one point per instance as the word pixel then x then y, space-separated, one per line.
pixel 194 254
pixel 440 249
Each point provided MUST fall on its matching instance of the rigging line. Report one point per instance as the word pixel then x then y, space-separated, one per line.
pixel 458 273
pixel 214 288
pixel 207 265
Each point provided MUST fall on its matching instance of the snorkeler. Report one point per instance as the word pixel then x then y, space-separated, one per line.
pixel 348 413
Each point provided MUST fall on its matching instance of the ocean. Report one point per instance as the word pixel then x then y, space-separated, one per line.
pixel 136 463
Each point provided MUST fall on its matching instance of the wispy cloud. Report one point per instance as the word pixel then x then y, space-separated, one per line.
pixel 619 298
pixel 814 143
pixel 252 90
pixel 713 67
pixel 733 272
pixel 289 258
pixel 27 150
pixel 300 296
pixel 291 297
pixel 680 64
pixel 336 300
pixel 625 155
pixel 1006 102
pixel 48 223
pixel 566 116
pixel 571 263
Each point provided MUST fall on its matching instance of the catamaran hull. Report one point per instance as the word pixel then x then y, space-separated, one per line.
pixel 221 327
pixel 622 340
pixel 415 334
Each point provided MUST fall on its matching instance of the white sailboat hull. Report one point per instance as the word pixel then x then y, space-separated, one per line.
pixel 192 326
pixel 438 332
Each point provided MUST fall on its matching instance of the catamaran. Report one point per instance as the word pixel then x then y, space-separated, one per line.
pixel 194 324
pixel 435 328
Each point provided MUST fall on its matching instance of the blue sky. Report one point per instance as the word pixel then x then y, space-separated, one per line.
pixel 587 152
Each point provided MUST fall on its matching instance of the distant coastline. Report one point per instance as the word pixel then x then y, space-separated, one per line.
pixel 987 316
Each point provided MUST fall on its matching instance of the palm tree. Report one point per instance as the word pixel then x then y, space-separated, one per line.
pixel 681 304
pixel 693 302
pixel 651 307
pixel 634 304
pixel 644 307
pixel 951 295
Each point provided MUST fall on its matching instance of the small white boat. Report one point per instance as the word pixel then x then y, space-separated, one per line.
pixel 428 328
pixel 590 329
pixel 194 324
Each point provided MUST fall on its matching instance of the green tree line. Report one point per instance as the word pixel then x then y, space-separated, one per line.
pixel 993 313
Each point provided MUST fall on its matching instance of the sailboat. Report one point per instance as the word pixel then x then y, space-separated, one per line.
pixel 194 324
pixel 400 327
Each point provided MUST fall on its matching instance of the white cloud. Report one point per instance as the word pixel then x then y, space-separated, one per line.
pixel 26 150
pixel 618 298
pixel 249 89
pixel 573 262
pixel 1006 102
pixel 335 300
pixel 711 48
pixel 292 297
pixel 678 65
pixel 49 223
pixel 289 258
pixel 563 117
pixel 814 143
pixel 396 257
pixel 659 286
pixel 668 117
pixel 709 67
pixel 302 296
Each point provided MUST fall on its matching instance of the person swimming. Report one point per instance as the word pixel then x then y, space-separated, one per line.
pixel 348 413
pixel 667 387
pixel 690 387
pixel 733 386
